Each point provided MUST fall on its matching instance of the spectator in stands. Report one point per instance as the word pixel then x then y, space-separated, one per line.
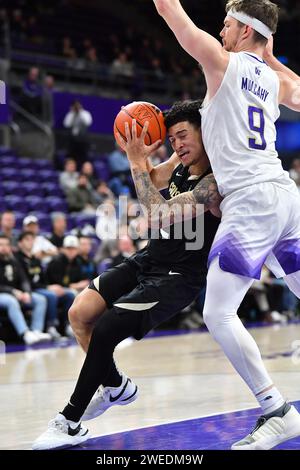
pixel 125 249
pixel 63 274
pixel 92 60
pixel 281 299
pixel 122 66
pixel 81 199
pixel 106 230
pixel 77 121
pixel 32 92
pixel 65 269
pixel 32 30
pixel 18 25
pixel 120 171
pixel 87 264
pixel 42 247
pixel 102 193
pixel 48 90
pixel 160 156
pixel 33 269
pixel 85 45
pixel 68 50
pixel 118 163
pixel 7 227
pixel 88 170
pixel 15 294
pixel 59 227
pixel 266 306
pixel 68 179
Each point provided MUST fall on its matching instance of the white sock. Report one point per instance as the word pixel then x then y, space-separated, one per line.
pixel 270 400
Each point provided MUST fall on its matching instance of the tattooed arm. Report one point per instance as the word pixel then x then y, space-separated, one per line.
pixel 160 211
pixel 205 196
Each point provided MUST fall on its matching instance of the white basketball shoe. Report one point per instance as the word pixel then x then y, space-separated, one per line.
pixel 105 397
pixel 269 432
pixel 61 433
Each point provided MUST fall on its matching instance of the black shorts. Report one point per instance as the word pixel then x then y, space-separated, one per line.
pixel 157 292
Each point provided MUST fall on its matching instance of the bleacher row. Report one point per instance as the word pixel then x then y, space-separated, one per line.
pixel 32 186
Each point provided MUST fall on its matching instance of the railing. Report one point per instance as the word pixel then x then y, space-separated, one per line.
pixel 31 118
pixel 100 78
pixel 35 140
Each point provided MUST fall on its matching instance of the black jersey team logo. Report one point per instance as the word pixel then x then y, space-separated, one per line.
pixel 173 190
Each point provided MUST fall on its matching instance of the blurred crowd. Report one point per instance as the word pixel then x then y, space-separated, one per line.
pixel 42 272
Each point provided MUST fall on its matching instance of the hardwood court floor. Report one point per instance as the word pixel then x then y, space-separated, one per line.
pixel 182 378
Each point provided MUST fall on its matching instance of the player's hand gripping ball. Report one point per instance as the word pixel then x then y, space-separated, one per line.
pixel 141 111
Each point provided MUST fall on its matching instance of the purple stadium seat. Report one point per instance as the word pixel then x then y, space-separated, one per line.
pixel 12 174
pixel 60 158
pixel 29 174
pixel 25 163
pixel 3 205
pixel 70 222
pixel 44 221
pixel 85 219
pixel 44 165
pixel 4 150
pixel 49 176
pixel 19 219
pixel 36 203
pixel 33 189
pixel 52 189
pixel 56 204
pixel 104 265
pixel 16 203
pixel 8 160
pixel 102 170
pixel 12 187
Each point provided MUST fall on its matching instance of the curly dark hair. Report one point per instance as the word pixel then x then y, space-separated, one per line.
pixel 183 111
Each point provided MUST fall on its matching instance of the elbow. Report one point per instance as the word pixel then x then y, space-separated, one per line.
pixel 162 6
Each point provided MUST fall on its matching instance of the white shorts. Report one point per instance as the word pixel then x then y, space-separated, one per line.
pixel 260 225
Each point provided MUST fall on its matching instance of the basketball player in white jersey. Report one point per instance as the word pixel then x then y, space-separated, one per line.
pixel 261 206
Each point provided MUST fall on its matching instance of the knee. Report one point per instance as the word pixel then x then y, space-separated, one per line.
pixel 213 318
pixel 51 297
pixel 75 314
pixel 12 302
pixel 208 319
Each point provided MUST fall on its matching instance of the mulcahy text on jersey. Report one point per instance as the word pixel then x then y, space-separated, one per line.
pixel 253 87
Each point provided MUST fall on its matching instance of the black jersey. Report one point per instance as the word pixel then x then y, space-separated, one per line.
pixel 165 247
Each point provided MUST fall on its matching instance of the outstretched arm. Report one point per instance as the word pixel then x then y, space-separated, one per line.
pixel 160 211
pixel 199 44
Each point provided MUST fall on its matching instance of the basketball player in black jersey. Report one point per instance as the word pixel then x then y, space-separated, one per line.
pixel 142 292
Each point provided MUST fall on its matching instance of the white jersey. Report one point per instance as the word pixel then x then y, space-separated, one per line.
pixel 238 127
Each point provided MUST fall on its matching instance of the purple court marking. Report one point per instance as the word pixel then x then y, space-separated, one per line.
pixel 12 348
pixel 209 433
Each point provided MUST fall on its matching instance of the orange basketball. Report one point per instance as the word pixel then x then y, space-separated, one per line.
pixel 142 112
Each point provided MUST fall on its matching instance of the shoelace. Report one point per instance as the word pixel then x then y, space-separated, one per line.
pixel 261 420
pixel 56 424
pixel 104 393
